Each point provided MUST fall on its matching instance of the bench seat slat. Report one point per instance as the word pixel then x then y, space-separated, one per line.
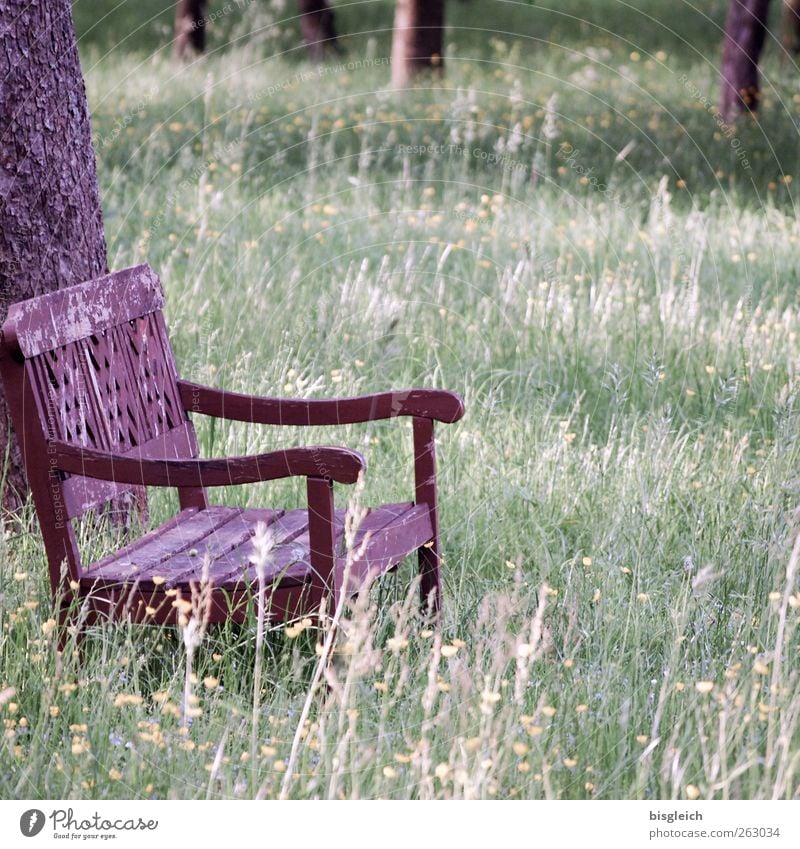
pixel 143 558
pixel 293 563
pixel 227 544
pixel 291 542
pixel 176 551
pixel 404 533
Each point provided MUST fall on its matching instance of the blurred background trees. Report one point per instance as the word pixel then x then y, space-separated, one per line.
pixel 318 27
pixel 190 27
pixel 418 39
pixel 745 32
pixel 791 27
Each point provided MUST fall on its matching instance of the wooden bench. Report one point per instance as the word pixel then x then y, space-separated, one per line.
pixel 99 412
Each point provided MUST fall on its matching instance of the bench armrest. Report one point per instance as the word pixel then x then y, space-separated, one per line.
pixel 436 404
pixel 338 464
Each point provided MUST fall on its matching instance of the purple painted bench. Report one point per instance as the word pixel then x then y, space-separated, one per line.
pixel 99 411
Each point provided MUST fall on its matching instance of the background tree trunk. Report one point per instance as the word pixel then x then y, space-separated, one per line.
pixel 318 27
pixel 745 31
pixel 190 28
pixel 51 224
pixel 791 26
pixel 417 41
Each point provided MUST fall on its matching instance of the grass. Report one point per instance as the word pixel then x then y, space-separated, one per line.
pixel 614 293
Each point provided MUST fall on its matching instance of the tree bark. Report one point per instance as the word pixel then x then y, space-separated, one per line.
pixel 745 31
pixel 190 28
pixel 318 27
pixel 51 224
pixel 791 26
pixel 417 40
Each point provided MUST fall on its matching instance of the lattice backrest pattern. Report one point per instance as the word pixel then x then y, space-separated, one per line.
pixel 102 373
pixel 114 390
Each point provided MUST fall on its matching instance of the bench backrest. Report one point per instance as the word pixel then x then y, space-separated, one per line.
pixel 91 365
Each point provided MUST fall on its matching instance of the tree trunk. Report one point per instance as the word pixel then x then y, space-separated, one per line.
pixel 51 224
pixel 190 28
pixel 417 41
pixel 745 31
pixel 791 26
pixel 318 27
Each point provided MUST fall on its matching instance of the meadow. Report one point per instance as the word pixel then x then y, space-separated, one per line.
pixel 563 232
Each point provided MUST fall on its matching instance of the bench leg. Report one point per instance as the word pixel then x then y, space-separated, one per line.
pixel 67 619
pixel 63 630
pixel 425 493
pixel 325 579
pixel 430 585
